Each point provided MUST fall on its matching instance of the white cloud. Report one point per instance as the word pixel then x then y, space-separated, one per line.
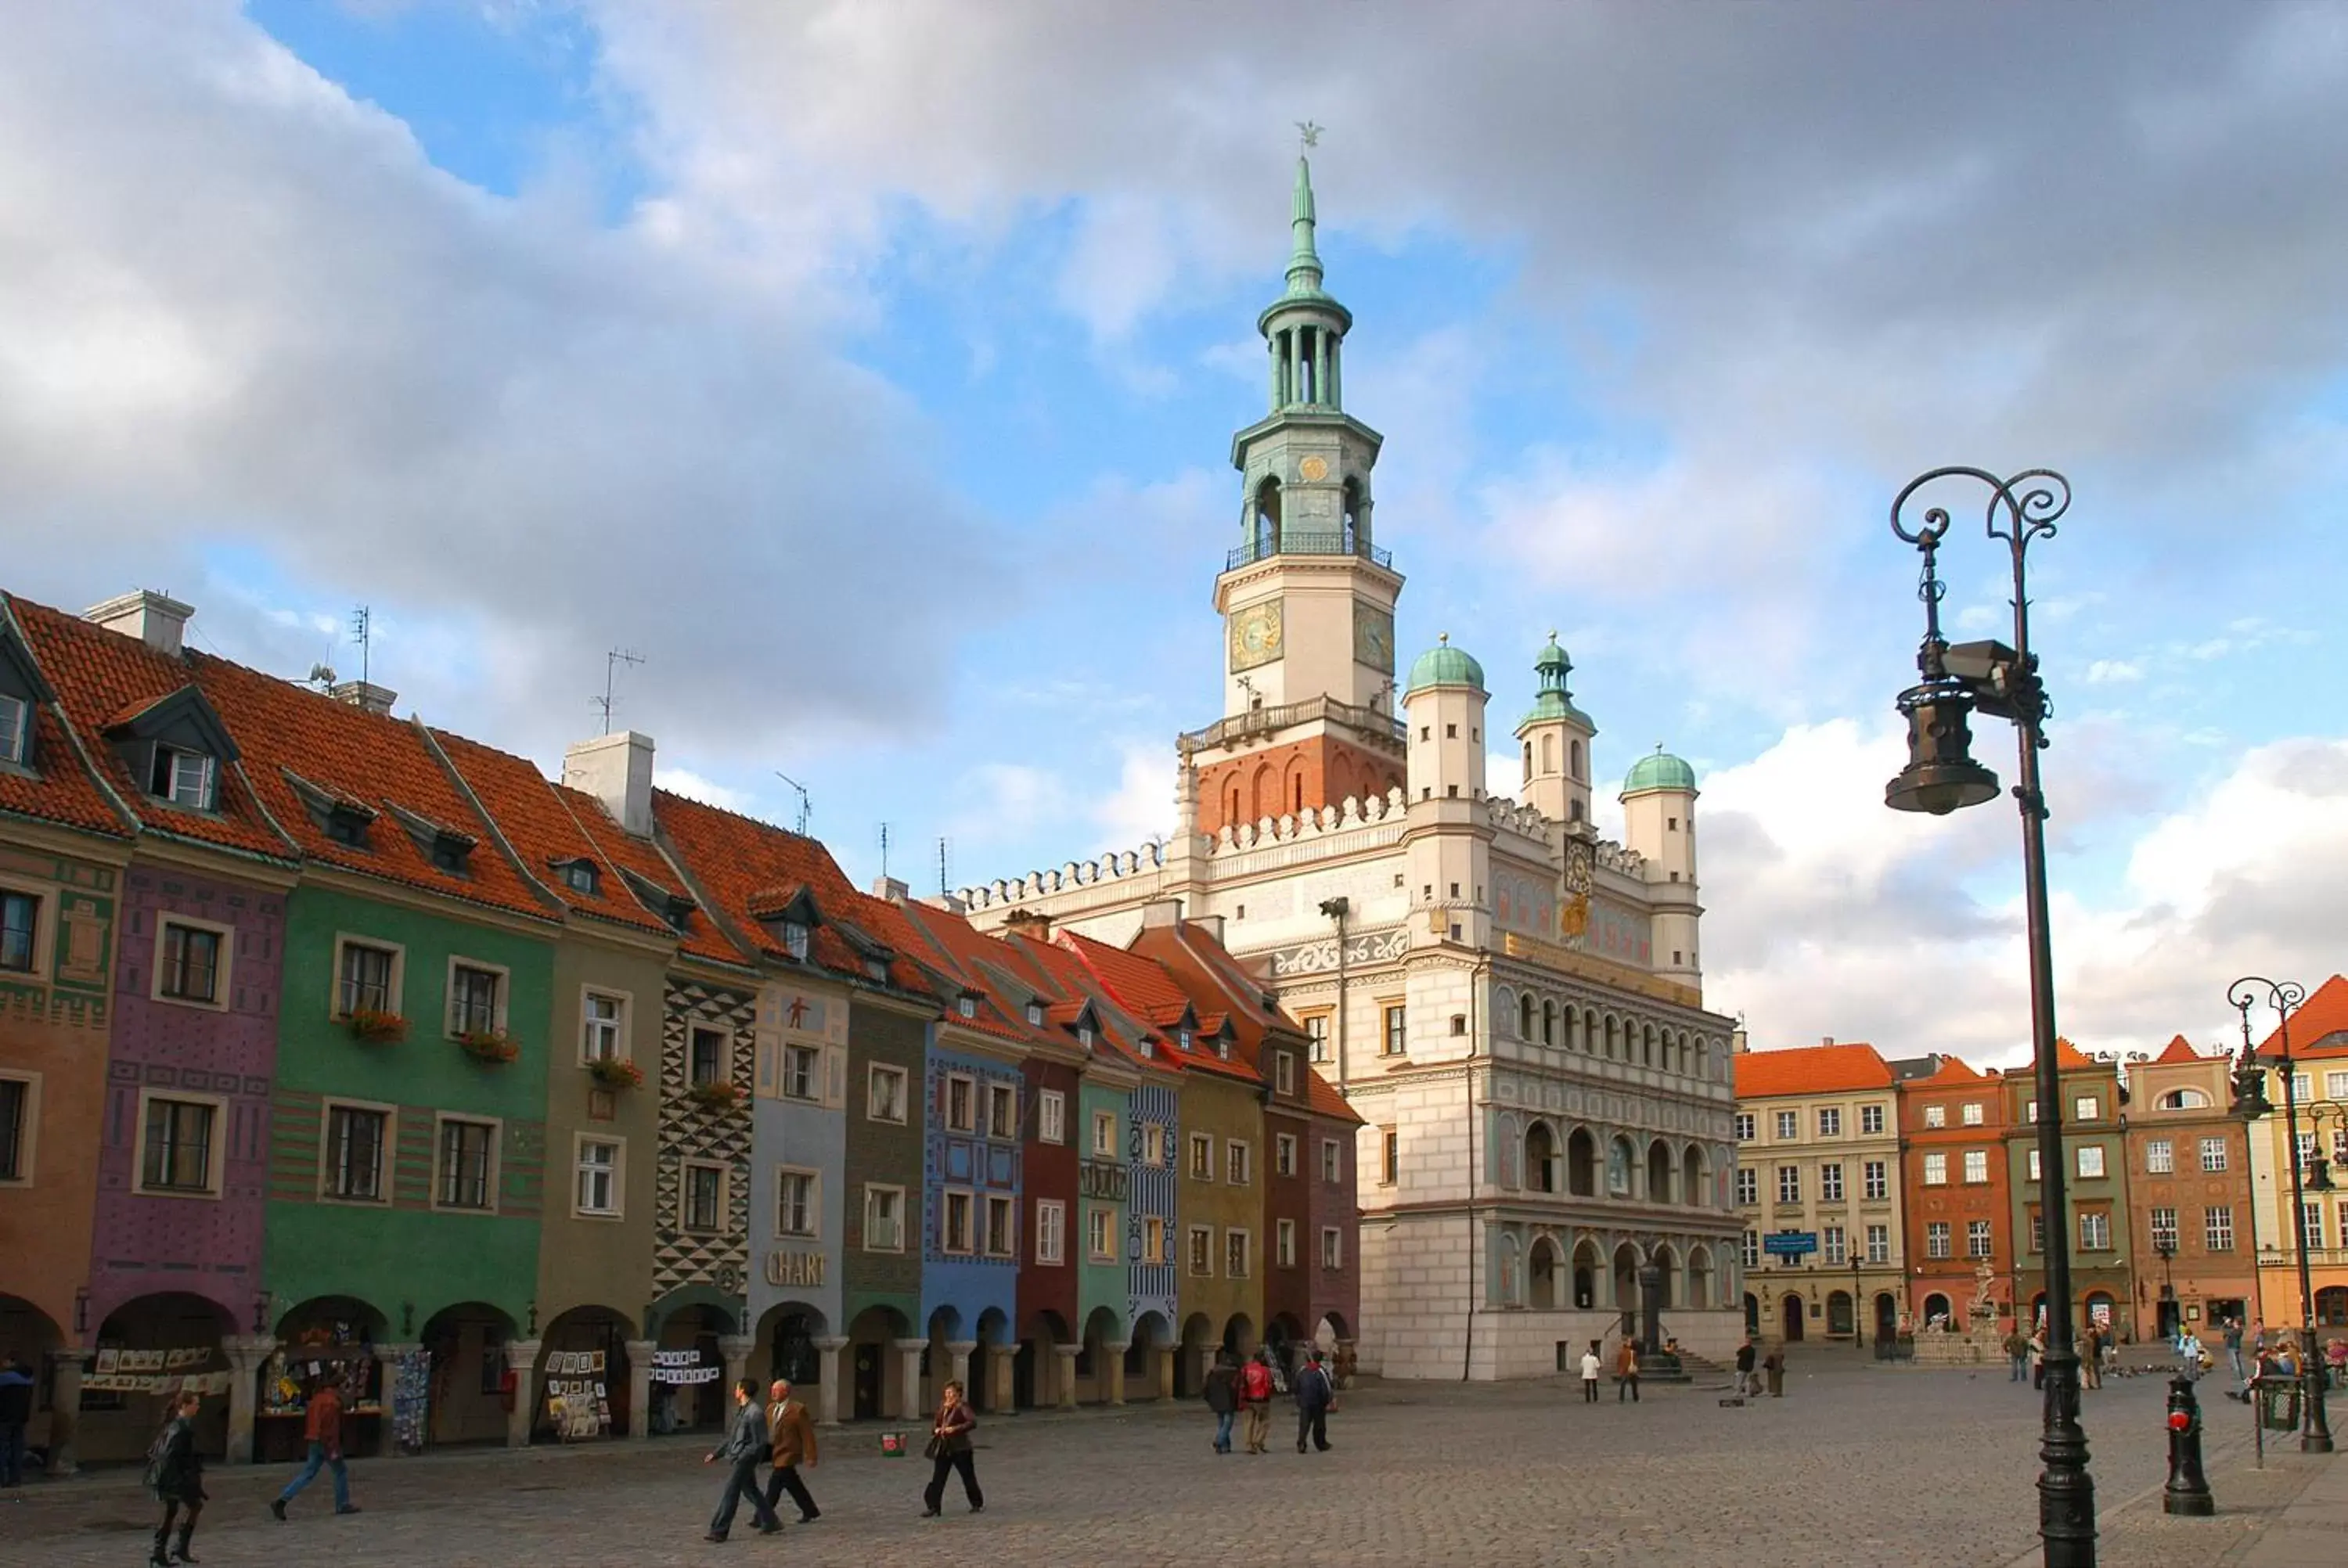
pixel 693 786
pixel 2114 672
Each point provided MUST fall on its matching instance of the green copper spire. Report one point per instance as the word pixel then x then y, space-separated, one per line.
pixel 1305 262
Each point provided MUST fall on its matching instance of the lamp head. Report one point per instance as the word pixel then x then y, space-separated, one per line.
pixel 2250 1101
pixel 1940 775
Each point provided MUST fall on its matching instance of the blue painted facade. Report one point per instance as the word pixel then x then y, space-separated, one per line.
pixel 982 1160
pixel 1149 1287
pixel 798 1126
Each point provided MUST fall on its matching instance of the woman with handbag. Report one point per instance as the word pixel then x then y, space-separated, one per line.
pixel 175 1473
pixel 948 1451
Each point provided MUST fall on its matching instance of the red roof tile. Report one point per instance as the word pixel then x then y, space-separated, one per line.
pixel 1327 1100
pixel 2317 1020
pixel 103 678
pixel 2177 1050
pixel 1069 980
pixel 702 937
pixel 61 789
pixel 1951 1071
pixel 2069 1057
pixel 1144 986
pixel 1809 1070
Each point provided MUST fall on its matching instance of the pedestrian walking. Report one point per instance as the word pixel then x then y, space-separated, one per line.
pixel 2335 1358
pixel 1745 1382
pixel 743 1450
pixel 1315 1399
pixel 322 1428
pixel 2091 1358
pixel 791 1443
pixel 2231 1335
pixel 2038 1359
pixel 1626 1373
pixel 175 1474
pixel 1773 1367
pixel 950 1451
pixel 15 1409
pixel 1223 1399
pixel 1590 1374
pixel 2017 1356
pixel 1255 1402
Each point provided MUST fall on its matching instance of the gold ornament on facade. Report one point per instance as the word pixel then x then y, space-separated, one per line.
pixel 1314 469
pixel 1255 635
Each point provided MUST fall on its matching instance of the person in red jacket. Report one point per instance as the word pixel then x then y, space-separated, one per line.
pixel 1255 1400
pixel 322 1424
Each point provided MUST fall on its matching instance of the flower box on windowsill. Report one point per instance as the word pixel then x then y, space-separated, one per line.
pixel 717 1096
pixel 489 1045
pixel 373 1028
pixel 612 1073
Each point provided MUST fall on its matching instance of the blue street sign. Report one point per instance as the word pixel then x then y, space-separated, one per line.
pixel 1789 1244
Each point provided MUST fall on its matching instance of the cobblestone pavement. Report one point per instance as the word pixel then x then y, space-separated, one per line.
pixel 1856 1465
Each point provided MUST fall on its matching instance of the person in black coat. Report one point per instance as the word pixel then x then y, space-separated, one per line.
pixel 1313 1397
pixel 177 1474
pixel 1223 1400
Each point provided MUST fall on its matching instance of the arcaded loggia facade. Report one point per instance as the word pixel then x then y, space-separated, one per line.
pixel 1513 1004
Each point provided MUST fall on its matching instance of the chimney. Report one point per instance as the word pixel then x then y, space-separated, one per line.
pixel 1739 1042
pixel 155 618
pixel 618 771
pixel 1826 1039
pixel 1028 923
pixel 889 890
pixel 1161 914
pixel 365 694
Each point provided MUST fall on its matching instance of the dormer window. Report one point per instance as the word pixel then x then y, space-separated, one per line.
pixel 1148 1046
pixel 795 939
pixel 1183 1039
pixel 968 1006
pixel 580 876
pixel 1084 1036
pixel 877 969
pixel 1035 1013
pixel 450 855
pixel 346 828
pixel 15 728
pixel 1223 1047
pixel 184 778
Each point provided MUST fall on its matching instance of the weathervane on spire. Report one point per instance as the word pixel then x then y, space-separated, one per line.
pixel 1309 133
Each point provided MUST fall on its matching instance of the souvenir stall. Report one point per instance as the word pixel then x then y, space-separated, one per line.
pixel 338 1349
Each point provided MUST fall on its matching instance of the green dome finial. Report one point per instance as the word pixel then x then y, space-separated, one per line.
pixel 1444 665
pixel 1659 770
pixel 1304 259
pixel 1555 701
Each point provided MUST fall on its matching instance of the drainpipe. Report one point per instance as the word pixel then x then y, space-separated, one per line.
pixel 1336 909
pixel 1468 1351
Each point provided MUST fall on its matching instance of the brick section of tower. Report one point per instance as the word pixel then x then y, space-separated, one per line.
pixel 1281 781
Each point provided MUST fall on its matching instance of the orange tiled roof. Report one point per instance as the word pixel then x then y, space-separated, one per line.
pixel 733 859
pixel 101 678
pixel 701 936
pixel 1072 984
pixel 542 831
pixel 63 790
pixel 1142 985
pixel 1326 1101
pixel 956 948
pixel 1809 1070
pixel 1950 1073
pixel 2177 1050
pixel 2069 1057
pixel 2322 1015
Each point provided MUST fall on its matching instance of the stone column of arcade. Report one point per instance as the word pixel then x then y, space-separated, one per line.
pixel 640 1385
pixel 245 1359
pixel 64 1413
pixel 386 1359
pixel 1000 1394
pixel 959 1366
pixel 909 1363
pixel 1114 1353
pixel 829 1369
pixel 1067 1389
pixel 736 1348
pixel 1163 1358
pixel 521 1360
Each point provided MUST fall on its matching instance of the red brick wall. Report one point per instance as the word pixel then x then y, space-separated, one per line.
pixel 1282 780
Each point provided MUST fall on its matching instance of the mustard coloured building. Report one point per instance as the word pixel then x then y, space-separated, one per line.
pixel 1513 1004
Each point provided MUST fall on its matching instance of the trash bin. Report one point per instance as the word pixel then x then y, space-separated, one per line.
pixel 2278 1407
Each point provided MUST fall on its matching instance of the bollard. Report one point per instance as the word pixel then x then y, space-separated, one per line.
pixel 2187 1491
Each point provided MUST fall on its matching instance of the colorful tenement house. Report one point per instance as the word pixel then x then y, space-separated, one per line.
pixel 1465 961
pixel 531 1110
pixel 1818 1179
pixel 2319 1052
pixel 2096 1171
pixel 1959 1209
pixel 2189 1187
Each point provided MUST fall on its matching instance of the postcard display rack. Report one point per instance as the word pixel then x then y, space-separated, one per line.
pixel 331 1351
pixel 578 1401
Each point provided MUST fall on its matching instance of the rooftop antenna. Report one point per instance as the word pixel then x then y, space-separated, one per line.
pixel 322 676
pixel 611 662
pixel 943 890
pixel 362 633
pixel 884 851
pixel 806 806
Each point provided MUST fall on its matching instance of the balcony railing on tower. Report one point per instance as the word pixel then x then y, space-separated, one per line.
pixel 1265 545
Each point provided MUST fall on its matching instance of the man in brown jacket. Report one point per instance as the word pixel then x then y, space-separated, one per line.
pixel 791 1431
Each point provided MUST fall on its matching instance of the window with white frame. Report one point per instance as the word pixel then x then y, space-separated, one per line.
pixel 1283 1154
pixel 1051 1116
pixel 1748 1184
pixel 1237 1255
pixel 15 728
pixel 884 1094
pixel 798 1212
pixel 2084 1108
pixel 1333 1248
pixel 2094 1231
pixel 1284 1243
pixel 2032 1165
pixel 1976 1164
pixel 1870 1120
pixel 962 1104
pixel 1977 1238
pixel 1156 1144
pixel 182 777
pixel 1239 1162
pixel 2213 1153
pixel 188 961
pixel 599 1177
pixel 802 1072
pixel 1317 1029
pixel 467 1164
pixel 1789 1126
pixel 1051 1232
pixel 884 1219
pixel 1333 1161
pixel 1936 1169
pixel 180 1151
pixel 2310 1224
pixel 1283 1072
pixel 1389 1155
pixel 1875 1177
pixel 1879 1243
pixel 18 1114
pixel 1936 1238
pixel 2301 1085
pixel 1103 1134
pixel 20 929
pixel 1936 1115
pixel 2164 1229
pixel 1100 1234
pixel 1202 1157
pixel 1789 1184
pixel 603 1017
pixel 2091 1159
pixel 357 1136
pixel 2335 1085
pixel 367 978
pixel 1830 1181
pixel 705 1053
pixel 1002 1226
pixel 704 1196
pixel 1745 1126
pixel 475 999
pixel 1001 1111
pixel 1835 1244
pixel 2037 1232
pixel 1199 1251
pixel 1829 1121
pixel 955 1222
pixel 1752 1249
pixel 2159 1157
pixel 1972 1113
pixel 1396 1033
pixel 2217 1227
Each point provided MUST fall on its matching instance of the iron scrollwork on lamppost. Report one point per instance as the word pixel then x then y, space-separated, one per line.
pixel 1942 777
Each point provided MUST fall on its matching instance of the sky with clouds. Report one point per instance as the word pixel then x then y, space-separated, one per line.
pixel 869 366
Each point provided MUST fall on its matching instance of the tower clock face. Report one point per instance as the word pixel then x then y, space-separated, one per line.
pixel 1373 637
pixel 1255 635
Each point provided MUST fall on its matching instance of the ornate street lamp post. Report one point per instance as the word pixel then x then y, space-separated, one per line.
pixel 2315 1434
pixel 1942 777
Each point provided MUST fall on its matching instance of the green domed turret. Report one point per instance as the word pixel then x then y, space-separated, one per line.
pixel 1444 665
pixel 1659 770
pixel 1555 701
